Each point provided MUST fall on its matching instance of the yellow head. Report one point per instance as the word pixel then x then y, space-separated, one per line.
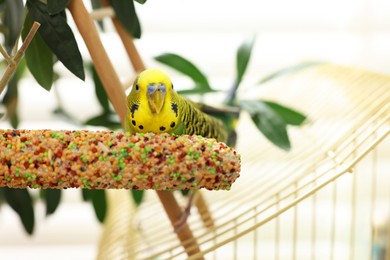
pixel 153 85
pixel 150 104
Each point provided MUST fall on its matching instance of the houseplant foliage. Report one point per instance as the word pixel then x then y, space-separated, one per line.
pixel 55 42
pixel 270 118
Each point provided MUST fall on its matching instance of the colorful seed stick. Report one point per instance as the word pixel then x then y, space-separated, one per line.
pixel 114 160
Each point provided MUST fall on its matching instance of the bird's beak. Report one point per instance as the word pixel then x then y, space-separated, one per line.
pixel 156 96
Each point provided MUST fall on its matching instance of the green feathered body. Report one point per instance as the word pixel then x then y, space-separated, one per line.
pixel 192 121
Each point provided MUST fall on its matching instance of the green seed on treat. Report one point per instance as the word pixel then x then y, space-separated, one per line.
pixel 171 160
pixel 84 158
pixel 72 146
pixel 107 159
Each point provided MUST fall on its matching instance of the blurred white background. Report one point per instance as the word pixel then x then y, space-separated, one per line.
pixel 351 32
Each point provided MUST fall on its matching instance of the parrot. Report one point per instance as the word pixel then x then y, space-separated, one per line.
pixel 154 106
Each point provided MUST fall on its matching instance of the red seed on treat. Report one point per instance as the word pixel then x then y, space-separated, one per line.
pixel 107 159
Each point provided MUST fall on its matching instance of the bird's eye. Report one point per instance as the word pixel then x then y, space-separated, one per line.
pixel 136 87
pixel 172 86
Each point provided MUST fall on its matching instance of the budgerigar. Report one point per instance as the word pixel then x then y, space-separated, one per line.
pixel 154 106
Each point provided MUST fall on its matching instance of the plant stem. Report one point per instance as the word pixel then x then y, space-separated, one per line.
pixel 128 43
pixel 6 56
pixel 14 61
pixel 99 56
pixel 231 95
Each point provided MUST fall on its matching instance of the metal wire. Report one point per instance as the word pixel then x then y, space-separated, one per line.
pixel 348 119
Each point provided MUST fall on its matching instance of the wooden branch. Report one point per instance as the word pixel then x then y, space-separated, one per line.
pixel 167 199
pixel 101 13
pixel 175 213
pixel 203 209
pixel 103 65
pixel 14 61
pixel 128 43
pixel 6 56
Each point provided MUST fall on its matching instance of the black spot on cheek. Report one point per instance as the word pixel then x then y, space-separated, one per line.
pixel 141 127
pixel 133 122
pixel 162 128
pixel 172 124
pixel 134 107
pixel 174 108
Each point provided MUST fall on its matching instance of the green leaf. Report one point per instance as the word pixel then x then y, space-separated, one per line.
pixel 56 6
pixel 11 95
pixel 14 120
pixel 184 66
pixel 58 36
pixel 96 4
pixel 13 21
pixel 21 202
pixel 125 12
pixel 195 90
pixel 138 196
pixel 289 70
pixel 141 1
pixel 100 91
pixel 86 194
pixel 268 122
pixel 99 203
pixel 289 116
pixel 243 55
pixel 39 57
pixel 52 198
pixel 185 192
pixel 2 199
